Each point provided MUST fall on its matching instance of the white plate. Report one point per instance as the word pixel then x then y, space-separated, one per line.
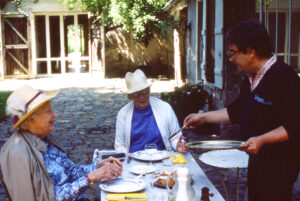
pixel 142 169
pixel 123 185
pixel 156 156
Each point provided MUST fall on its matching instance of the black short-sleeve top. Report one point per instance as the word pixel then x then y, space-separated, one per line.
pixel 274 102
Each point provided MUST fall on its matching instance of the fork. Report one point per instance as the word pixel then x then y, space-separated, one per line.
pixel 140 175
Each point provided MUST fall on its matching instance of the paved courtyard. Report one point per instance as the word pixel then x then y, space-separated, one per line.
pixel 86 110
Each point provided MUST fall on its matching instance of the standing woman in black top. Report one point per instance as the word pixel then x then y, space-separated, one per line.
pixel 268 111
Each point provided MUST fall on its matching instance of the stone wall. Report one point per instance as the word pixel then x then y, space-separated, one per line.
pixel 122 54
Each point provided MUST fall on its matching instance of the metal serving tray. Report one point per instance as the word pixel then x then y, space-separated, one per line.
pixel 215 144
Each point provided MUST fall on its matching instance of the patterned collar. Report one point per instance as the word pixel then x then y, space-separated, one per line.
pixel 255 80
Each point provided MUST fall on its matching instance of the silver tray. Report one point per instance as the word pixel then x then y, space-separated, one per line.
pixel 215 144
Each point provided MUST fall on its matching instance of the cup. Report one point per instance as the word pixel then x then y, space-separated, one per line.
pixel 150 150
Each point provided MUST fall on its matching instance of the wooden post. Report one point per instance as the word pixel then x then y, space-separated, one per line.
pixel 33 69
pixel 77 57
pixel 103 49
pixel 1 49
pixel 48 45
pixel 62 44
pixel 29 44
pixel 177 54
pixel 204 37
pixel 177 57
pixel 90 44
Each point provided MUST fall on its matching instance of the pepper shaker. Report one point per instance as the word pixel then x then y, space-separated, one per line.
pixel 205 194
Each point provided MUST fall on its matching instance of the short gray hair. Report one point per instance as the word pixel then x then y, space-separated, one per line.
pixel 33 116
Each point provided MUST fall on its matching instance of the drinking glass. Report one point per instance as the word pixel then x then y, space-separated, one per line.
pixel 150 150
pixel 169 190
pixel 151 193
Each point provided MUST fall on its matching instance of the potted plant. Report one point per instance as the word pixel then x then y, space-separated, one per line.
pixel 190 98
pixel 3 98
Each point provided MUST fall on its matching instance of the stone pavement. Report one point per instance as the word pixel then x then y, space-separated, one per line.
pixel 86 114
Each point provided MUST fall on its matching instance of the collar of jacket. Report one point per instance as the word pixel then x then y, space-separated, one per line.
pixel 35 141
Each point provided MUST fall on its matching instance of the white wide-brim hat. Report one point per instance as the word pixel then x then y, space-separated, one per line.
pixel 25 100
pixel 136 81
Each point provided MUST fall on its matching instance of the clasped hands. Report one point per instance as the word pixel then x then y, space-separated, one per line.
pixel 106 169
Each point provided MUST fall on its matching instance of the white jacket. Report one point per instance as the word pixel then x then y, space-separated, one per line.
pixel 165 118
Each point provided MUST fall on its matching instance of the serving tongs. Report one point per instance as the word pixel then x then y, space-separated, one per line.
pixel 173 134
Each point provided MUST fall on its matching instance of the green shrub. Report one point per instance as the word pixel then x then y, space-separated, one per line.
pixel 3 98
pixel 187 99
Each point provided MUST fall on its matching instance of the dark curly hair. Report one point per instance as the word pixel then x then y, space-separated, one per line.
pixel 252 35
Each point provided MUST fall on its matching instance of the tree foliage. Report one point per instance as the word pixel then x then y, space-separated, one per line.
pixel 143 18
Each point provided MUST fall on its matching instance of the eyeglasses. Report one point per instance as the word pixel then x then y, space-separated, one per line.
pixel 141 93
pixel 231 53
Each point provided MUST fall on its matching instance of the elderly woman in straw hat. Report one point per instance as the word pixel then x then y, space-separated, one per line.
pixel 145 119
pixel 33 164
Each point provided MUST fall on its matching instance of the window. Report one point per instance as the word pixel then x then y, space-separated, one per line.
pixel 287 43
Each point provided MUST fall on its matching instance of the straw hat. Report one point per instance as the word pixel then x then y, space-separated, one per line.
pixel 24 101
pixel 136 81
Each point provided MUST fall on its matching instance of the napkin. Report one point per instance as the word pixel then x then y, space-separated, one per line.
pixel 103 154
pixel 123 196
pixel 178 159
pixel 116 155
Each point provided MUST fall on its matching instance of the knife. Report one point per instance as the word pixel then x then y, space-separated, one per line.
pixel 181 129
pixel 128 158
pixel 120 197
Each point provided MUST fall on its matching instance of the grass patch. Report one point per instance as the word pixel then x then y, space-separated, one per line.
pixel 3 97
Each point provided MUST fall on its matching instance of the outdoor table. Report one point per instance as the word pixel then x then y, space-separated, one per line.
pixel 226 159
pixel 200 179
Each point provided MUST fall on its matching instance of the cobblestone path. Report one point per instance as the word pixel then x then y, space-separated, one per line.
pixel 86 115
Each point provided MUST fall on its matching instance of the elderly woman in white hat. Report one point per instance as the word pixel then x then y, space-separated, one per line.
pixel 145 119
pixel 33 165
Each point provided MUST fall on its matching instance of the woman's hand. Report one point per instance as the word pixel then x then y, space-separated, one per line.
pixel 108 161
pixel 107 171
pixel 181 148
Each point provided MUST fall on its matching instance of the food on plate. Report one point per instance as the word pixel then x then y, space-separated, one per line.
pixel 162 179
pixel 161 182
pixel 168 174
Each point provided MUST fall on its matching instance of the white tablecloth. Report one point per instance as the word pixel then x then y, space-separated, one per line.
pixel 200 180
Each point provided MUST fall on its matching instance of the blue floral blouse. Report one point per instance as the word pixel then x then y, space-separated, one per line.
pixel 68 179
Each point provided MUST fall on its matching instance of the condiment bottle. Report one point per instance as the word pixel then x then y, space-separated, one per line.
pixel 205 194
pixel 183 190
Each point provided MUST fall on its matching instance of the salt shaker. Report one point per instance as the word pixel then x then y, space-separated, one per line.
pixel 183 190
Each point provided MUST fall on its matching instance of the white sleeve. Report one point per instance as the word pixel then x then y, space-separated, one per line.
pixel 120 138
pixel 173 127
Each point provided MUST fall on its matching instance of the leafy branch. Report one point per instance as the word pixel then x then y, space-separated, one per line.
pixel 143 18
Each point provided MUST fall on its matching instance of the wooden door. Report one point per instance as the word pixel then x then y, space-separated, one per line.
pixel 16 54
